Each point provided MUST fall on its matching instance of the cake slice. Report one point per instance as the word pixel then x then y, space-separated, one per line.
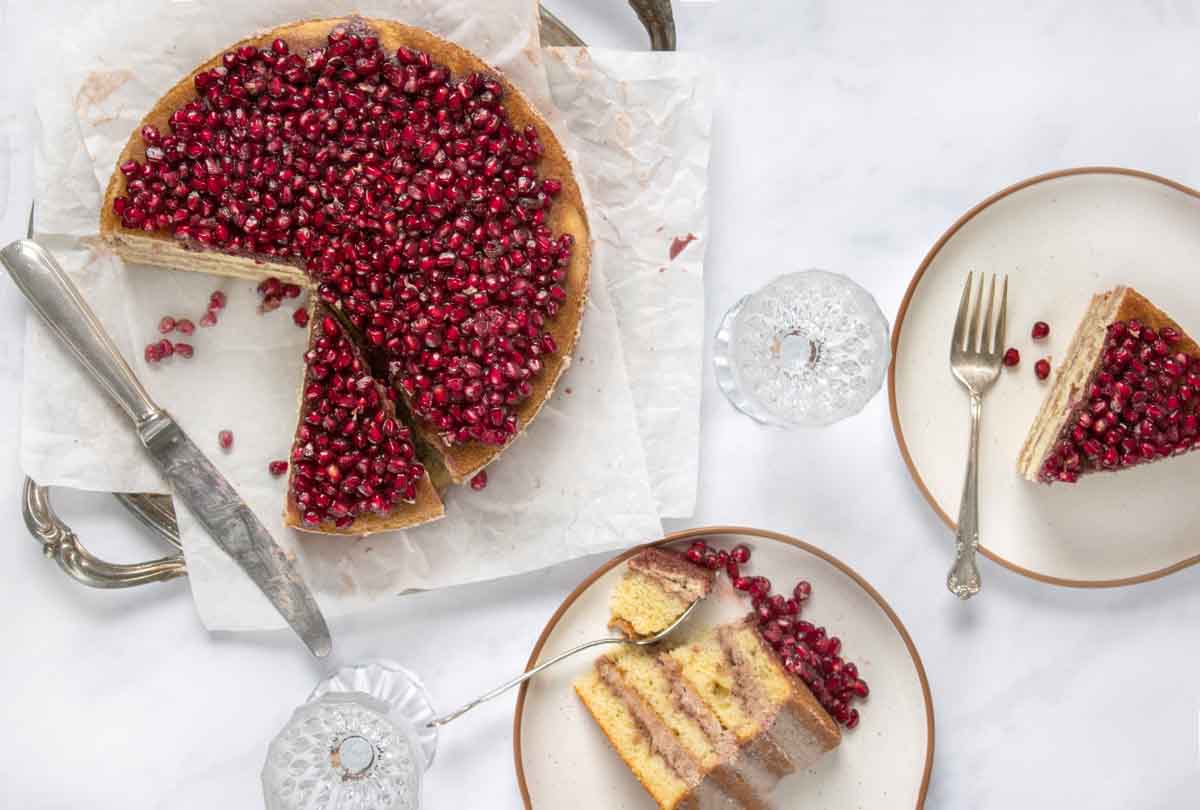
pixel 1126 394
pixel 657 587
pixel 353 467
pixel 713 724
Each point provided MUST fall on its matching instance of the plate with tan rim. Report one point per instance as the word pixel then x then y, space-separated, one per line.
pixel 563 759
pixel 1060 238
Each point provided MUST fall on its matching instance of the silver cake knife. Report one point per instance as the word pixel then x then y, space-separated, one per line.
pixel 193 478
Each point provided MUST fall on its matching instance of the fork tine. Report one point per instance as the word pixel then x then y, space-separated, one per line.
pixel 960 320
pixel 1001 325
pixel 985 339
pixel 973 331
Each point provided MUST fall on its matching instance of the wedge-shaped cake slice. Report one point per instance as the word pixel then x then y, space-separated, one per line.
pixel 354 467
pixel 713 724
pixel 1126 394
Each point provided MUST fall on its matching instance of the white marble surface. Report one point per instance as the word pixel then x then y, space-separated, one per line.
pixel 847 136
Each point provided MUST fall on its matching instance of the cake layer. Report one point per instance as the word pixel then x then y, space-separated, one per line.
pixel 657 587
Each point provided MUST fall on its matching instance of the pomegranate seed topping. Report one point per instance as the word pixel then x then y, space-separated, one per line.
pixel 696 555
pixel 1012 357
pixel 300 316
pixel 1042 368
pixel 184 326
pixel 166 325
pixel 479 481
pixel 406 194
pixel 184 350
pixel 1041 330
pixel 743 583
pixel 217 300
pixel 741 554
pixel 225 439
pixel 277 468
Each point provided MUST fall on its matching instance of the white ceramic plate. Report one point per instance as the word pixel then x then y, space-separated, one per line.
pixel 564 761
pixel 1060 238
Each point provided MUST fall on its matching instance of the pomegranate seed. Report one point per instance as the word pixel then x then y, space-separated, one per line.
pixel 479 481
pixel 743 583
pixel 166 325
pixel 1042 368
pixel 277 468
pixel 1012 357
pixel 802 591
pixel 152 353
pixel 695 555
pixel 184 350
pixel 300 316
pixel 733 571
pixel 225 439
pixel 852 718
pixel 209 318
pixel 166 348
pixel 217 300
pixel 741 554
pixel 1041 330
pixel 184 326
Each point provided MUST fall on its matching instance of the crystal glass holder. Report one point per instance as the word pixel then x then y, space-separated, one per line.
pixel 807 350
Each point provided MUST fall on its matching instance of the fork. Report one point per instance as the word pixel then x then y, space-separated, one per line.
pixel 975 360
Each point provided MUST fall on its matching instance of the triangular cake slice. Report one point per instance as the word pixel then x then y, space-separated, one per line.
pixel 354 467
pixel 402 179
pixel 1127 393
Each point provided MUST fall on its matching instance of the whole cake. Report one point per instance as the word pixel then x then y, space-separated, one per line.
pixel 420 197
pixel 1126 394
pixel 715 723
pixel 657 587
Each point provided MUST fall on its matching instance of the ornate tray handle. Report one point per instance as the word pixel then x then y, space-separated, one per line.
pixel 60 544
pixel 155 511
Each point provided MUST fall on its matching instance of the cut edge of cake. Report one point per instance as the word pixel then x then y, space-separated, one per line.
pixel 758 722
pixel 568 215
pixel 1079 368
pixel 425 508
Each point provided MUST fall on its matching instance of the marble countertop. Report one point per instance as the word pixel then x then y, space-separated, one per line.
pixel 847 136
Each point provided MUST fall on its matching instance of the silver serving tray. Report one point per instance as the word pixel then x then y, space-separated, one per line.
pixel 61 544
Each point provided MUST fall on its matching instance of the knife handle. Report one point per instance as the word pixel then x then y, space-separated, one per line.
pixel 56 298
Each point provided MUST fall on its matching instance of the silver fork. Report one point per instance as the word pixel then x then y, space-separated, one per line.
pixel 975 360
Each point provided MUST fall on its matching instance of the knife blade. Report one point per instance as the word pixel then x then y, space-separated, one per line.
pixel 194 479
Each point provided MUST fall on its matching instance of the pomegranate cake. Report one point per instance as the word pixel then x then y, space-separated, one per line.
pixel 1126 394
pixel 431 211
pixel 657 587
pixel 714 723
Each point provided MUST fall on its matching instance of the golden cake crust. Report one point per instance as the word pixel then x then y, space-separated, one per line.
pixel 566 216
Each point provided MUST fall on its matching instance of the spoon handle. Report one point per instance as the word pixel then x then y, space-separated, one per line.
pixel 504 687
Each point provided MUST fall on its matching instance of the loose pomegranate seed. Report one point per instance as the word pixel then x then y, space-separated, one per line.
pixel 300 316
pixel 166 325
pixel 184 326
pixel 217 300
pixel 225 439
pixel 209 318
pixel 802 591
pixel 405 193
pixel 479 481
pixel 741 554
pixel 152 353
pixel 1041 330
pixel 277 468
pixel 166 348
pixel 184 350
pixel 1012 357
pixel 1042 368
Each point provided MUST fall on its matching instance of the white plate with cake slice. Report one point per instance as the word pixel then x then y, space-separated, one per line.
pixel 1064 240
pixel 727 709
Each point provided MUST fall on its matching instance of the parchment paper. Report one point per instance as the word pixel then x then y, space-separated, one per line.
pixel 576 483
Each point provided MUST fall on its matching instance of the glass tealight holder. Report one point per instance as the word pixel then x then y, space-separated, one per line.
pixel 810 348
pixel 363 741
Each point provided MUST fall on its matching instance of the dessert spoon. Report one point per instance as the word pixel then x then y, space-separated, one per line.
pixel 500 690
